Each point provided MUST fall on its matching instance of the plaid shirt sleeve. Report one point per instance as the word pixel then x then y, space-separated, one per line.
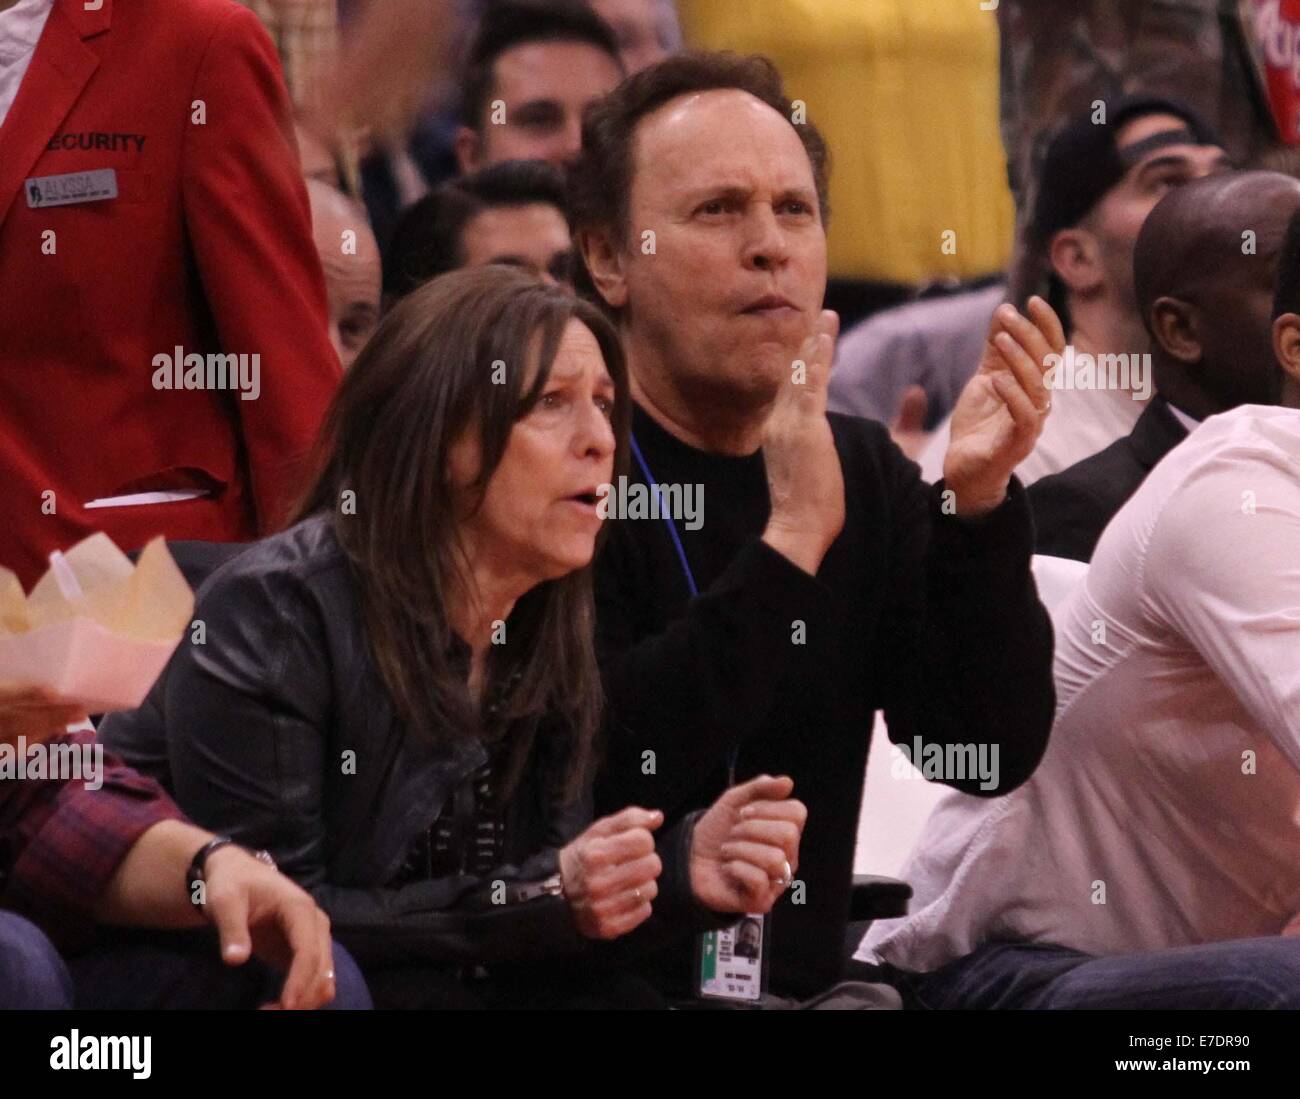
pixel 61 843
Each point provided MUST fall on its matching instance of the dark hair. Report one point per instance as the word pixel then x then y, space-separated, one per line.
pixel 1076 165
pixel 428 239
pixel 514 23
pixel 1286 298
pixel 1081 163
pixel 423 380
pixel 600 183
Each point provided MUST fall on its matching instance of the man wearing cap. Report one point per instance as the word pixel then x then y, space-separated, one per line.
pixel 1206 300
pixel 1101 177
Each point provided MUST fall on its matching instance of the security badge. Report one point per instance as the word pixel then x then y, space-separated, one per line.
pixel 71 188
pixel 731 963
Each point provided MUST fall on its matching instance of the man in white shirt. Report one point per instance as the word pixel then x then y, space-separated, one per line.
pixel 1153 860
pixel 1102 174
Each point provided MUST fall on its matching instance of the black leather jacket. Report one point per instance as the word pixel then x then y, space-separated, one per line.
pixel 270 724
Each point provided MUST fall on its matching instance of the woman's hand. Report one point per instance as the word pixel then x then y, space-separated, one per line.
pixel 33 713
pixel 610 871
pixel 745 850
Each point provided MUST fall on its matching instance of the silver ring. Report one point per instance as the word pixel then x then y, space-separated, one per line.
pixel 787 875
pixel 637 894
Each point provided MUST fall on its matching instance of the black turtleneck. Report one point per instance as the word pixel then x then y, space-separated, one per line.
pixel 932 618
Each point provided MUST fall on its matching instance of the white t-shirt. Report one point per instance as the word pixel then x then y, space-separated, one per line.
pixel 20 30
pixel 1166 811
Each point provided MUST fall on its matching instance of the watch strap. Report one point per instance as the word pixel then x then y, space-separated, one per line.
pixel 198 864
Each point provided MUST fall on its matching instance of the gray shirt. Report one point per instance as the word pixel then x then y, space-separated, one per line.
pixel 935 344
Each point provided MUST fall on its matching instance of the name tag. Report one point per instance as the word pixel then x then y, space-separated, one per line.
pixel 72 188
pixel 731 964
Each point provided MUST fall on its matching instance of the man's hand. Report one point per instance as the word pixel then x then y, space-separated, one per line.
pixel 745 849
pixel 34 713
pixel 257 910
pixel 804 478
pixel 610 871
pixel 1002 410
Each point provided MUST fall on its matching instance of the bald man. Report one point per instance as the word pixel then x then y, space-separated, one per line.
pixel 1204 267
pixel 350 257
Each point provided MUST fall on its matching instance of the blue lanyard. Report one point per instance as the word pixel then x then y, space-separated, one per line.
pixel 691 586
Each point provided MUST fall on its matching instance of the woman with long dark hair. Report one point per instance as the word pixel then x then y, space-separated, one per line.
pixel 398 695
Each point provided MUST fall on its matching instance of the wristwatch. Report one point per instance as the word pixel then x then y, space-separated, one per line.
pixel 197 863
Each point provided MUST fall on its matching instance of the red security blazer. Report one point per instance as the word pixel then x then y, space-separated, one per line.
pixel 207 248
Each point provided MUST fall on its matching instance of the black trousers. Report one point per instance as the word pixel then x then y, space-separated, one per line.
pixel 532 988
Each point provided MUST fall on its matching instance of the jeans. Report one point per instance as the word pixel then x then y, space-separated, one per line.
pixel 183 970
pixel 32 975
pixel 1235 974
